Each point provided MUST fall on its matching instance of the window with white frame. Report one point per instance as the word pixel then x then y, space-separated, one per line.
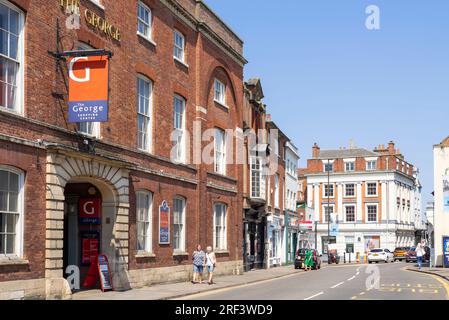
pixel 371 210
pixel 276 191
pixel 144 20
pixel 220 151
pixel 11 57
pixel 179 46
pixel 220 238
pixel 371 165
pixel 144 113
pixel 328 167
pixel 220 92
pixel 371 188
pixel 349 166
pixel 179 111
pixel 349 190
pixel 329 190
pixel 179 221
pixel 11 212
pixel 328 211
pixel 88 128
pixel 350 213
pixel 257 179
pixel 144 205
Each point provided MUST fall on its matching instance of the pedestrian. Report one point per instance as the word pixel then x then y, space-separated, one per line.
pixel 211 262
pixel 198 258
pixel 419 254
pixel 308 261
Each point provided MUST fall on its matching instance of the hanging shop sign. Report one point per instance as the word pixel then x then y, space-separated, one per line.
pixel 305 225
pixel 90 211
pixel 88 89
pixel 446 193
pixel 164 223
pixel 92 19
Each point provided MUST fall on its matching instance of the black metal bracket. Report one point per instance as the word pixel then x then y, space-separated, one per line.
pixel 81 53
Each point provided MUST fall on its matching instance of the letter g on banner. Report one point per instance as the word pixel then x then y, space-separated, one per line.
pixel 72 74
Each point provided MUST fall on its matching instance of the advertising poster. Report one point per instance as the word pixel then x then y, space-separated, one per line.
pixel 446 251
pixel 372 243
pixel 88 89
pixel 446 193
pixel 90 245
pixel 164 223
pixel 90 211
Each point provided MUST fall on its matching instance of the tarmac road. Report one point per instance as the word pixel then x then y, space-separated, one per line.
pixel 342 282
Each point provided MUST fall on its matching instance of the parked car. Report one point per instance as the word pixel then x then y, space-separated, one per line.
pixel 400 253
pixel 300 257
pixel 376 255
pixel 411 255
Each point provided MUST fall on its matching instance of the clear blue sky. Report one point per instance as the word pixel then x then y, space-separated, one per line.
pixel 327 79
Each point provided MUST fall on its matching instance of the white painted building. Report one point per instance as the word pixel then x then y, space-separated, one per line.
pixel 291 229
pixel 441 189
pixel 370 198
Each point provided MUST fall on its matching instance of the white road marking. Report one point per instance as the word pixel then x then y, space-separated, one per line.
pixel 337 285
pixel 357 273
pixel 314 296
pixel 352 278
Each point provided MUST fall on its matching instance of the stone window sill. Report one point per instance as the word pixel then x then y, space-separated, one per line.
pixel 145 255
pixel 221 251
pixel 149 40
pixel 181 62
pixel 13 261
pixel 180 254
pixel 221 104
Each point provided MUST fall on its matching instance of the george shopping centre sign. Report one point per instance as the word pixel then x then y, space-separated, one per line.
pixel 88 89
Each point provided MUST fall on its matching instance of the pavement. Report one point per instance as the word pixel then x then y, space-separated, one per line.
pixel 176 290
pixel 392 281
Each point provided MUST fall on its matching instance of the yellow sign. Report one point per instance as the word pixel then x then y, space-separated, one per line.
pixel 94 20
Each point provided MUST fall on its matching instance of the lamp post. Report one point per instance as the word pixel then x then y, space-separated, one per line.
pixel 328 216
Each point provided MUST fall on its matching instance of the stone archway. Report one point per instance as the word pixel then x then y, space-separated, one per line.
pixel 112 180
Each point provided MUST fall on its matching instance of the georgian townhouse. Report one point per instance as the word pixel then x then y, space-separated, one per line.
pixel 361 198
pixel 175 72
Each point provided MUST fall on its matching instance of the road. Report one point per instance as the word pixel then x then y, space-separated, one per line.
pixel 343 282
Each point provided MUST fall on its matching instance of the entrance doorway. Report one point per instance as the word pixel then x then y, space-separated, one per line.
pixel 82 227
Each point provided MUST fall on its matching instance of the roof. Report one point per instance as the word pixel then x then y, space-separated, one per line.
pixel 346 153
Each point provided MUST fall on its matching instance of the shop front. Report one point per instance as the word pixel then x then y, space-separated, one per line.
pixel 291 237
pixel 254 240
pixel 275 241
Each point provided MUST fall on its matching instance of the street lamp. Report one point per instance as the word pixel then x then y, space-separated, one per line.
pixel 328 210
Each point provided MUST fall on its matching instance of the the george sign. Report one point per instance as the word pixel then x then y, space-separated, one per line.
pixel 164 223
pixel 90 244
pixel 90 211
pixel 88 89
pixel 92 19
pixel 105 273
pixel 446 193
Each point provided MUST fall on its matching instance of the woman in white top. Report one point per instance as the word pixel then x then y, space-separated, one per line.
pixel 420 252
pixel 211 261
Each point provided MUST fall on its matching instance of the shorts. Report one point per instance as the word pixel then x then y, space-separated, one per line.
pixel 210 268
pixel 198 269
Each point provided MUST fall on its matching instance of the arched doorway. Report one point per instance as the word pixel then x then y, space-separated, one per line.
pixel 69 179
pixel 82 227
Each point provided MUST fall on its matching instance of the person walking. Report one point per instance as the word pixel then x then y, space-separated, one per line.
pixel 198 258
pixel 420 252
pixel 308 261
pixel 211 262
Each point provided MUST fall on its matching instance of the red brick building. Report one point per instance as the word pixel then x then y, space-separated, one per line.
pixel 175 67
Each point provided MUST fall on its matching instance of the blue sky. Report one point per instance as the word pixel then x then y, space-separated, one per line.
pixel 328 79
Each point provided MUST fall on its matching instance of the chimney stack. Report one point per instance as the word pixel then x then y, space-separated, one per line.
pixel 315 151
pixel 391 149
